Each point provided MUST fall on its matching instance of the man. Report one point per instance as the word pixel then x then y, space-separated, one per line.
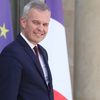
pixel 24 72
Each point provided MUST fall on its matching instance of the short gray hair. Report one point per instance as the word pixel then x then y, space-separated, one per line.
pixel 39 5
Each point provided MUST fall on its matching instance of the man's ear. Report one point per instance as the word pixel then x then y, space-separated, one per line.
pixel 22 22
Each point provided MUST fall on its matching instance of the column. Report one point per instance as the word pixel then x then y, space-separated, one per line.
pixel 87 50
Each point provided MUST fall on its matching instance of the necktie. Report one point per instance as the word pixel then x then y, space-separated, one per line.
pixel 37 53
pixel 44 70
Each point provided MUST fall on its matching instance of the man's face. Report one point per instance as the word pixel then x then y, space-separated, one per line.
pixel 35 27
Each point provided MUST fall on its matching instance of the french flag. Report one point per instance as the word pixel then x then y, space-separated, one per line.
pixel 55 43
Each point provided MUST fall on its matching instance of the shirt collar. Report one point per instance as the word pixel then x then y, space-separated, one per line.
pixel 28 42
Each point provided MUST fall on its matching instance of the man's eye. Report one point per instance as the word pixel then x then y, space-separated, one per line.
pixel 46 24
pixel 35 22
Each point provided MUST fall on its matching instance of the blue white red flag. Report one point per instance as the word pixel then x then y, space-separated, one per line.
pixel 6 33
pixel 55 43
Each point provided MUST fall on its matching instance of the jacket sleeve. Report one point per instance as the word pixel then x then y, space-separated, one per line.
pixel 10 76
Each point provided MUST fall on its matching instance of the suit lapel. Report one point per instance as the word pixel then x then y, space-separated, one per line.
pixel 45 58
pixel 33 57
pixel 29 51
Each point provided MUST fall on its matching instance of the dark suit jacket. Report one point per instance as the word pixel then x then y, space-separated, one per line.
pixel 21 77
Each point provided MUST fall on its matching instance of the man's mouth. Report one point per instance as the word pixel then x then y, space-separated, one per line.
pixel 39 33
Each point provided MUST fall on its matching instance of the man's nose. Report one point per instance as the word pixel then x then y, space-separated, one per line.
pixel 40 27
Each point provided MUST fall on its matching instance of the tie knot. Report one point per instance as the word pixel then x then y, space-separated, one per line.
pixel 36 50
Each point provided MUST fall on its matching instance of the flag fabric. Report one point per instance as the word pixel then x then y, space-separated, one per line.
pixel 56 45
pixel 6 33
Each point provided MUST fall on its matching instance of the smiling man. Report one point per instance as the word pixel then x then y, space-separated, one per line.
pixel 24 69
